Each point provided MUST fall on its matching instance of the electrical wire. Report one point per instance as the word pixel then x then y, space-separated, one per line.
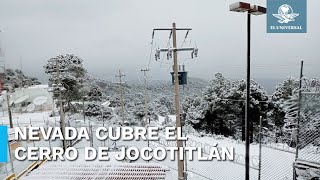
pixel 151 50
pixel 168 46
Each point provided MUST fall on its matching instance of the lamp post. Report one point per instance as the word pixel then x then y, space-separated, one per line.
pixel 251 10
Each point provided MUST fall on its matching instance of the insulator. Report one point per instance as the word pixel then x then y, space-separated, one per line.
pixel 170 53
pixel 196 52
pixel 157 54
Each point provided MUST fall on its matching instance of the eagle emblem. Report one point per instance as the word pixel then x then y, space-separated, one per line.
pixel 285 14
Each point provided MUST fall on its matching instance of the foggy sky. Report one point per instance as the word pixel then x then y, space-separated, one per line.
pixel 113 34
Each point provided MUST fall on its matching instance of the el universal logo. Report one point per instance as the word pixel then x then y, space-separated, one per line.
pixel 287 16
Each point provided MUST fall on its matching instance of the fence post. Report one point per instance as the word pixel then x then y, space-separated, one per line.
pixel 91 136
pixel 53 112
pixel 10 157
pixel 70 141
pixel 83 110
pixel 49 137
pixel 104 141
pixel 31 126
pixel 6 168
pixel 294 172
pixel 185 160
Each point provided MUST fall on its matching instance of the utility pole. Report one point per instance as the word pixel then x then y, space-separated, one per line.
pixel 121 95
pixel 299 111
pixel 174 50
pixel 21 63
pixel 177 98
pixel 83 109
pixel 145 97
pixel 62 124
pixel 2 62
pixel 9 108
pixel 147 119
pixel 2 81
pixel 3 75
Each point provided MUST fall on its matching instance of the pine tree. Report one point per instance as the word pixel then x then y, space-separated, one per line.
pixel 72 75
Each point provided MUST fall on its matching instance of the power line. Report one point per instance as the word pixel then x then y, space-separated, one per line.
pixel 150 54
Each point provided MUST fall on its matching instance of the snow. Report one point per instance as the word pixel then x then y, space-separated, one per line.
pixel 307 170
pixel 277 158
pixel 40 86
pixel 37 119
pixel 67 170
pixel 275 163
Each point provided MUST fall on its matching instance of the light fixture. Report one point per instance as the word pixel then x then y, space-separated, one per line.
pixel 258 10
pixel 240 7
pixel 246 7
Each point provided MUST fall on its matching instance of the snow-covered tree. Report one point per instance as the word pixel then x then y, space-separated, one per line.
pixel 221 110
pixel 167 122
pixel 285 99
pixel 285 102
pixel 194 107
pixel 168 103
pixel 283 93
pixel 16 79
pixel 94 94
pixel 93 109
pixel 94 101
pixel 310 120
pixel 72 75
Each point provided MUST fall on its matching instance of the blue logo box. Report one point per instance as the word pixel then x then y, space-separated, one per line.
pixel 287 16
pixel 3 144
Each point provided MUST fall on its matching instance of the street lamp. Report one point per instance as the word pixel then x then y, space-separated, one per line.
pixel 251 10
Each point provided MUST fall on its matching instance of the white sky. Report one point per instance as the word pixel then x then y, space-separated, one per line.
pixel 115 34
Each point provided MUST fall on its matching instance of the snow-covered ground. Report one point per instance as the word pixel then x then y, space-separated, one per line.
pixel 276 164
pixel 38 119
pixel 276 159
